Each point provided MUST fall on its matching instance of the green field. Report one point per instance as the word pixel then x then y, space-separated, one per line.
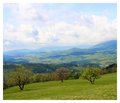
pixel 104 88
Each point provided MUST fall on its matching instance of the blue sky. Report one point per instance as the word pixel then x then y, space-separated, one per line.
pixel 31 26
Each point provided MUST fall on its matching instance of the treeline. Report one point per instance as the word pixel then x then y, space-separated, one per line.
pixel 45 68
pixel 23 75
pixel 61 73
pixel 109 69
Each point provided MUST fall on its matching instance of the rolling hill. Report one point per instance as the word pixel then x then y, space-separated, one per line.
pixel 101 54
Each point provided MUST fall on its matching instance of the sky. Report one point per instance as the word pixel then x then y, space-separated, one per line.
pixel 32 26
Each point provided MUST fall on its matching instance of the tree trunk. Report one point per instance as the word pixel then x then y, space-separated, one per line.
pixel 62 80
pixel 21 87
pixel 90 80
pixel 93 80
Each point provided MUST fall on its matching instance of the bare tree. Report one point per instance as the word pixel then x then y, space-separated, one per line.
pixel 62 73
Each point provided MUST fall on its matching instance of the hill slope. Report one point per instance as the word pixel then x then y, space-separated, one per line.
pixel 107 45
pixel 104 88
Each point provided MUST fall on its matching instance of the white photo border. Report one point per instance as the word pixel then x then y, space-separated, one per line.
pixel 59 1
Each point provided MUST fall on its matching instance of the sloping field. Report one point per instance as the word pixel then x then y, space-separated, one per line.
pixel 104 88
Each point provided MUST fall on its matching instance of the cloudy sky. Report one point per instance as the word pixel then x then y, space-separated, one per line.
pixel 31 26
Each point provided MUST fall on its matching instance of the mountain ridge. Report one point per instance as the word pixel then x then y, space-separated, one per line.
pixel 102 54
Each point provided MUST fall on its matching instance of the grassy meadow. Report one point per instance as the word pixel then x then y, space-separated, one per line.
pixel 104 88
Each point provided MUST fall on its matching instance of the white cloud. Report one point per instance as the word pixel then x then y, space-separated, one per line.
pixel 101 30
pixel 35 27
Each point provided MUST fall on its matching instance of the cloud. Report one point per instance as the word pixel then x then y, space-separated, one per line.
pixel 36 27
pixel 100 29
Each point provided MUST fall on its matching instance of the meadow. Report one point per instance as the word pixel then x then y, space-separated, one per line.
pixel 104 88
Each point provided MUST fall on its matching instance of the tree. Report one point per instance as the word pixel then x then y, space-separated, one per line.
pixel 5 82
pixel 75 73
pixel 22 76
pixel 62 73
pixel 110 68
pixel 8 80
pixel 91 74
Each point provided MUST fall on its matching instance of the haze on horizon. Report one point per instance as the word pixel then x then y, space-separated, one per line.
pixel 32 26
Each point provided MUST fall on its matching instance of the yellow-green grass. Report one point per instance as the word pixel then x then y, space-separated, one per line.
pixel 104 88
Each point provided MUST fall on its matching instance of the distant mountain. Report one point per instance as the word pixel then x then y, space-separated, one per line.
pixel 107 45
pixel 101 54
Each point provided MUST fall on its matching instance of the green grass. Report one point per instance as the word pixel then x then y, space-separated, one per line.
pixel 104 88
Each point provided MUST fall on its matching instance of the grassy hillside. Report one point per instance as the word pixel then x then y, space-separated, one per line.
pixel 104 88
